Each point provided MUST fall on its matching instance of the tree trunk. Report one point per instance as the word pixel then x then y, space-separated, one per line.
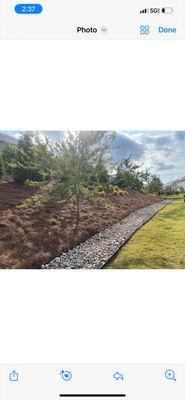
pixel 77 207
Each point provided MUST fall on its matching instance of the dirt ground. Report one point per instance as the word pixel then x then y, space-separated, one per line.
pixel 30 237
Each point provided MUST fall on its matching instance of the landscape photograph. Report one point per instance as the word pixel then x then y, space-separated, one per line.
pixel 92 200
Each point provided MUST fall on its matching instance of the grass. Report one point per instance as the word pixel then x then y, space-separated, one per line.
pixel 172 196
pixel 158 244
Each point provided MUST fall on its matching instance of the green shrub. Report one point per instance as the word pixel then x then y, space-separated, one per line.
pixel 30 183
pixel 60 192
pixel 98 189
pixel 101 193
pixel 102 202
pixel 111 188
pixel 2 167
pixel 37 200
pixel 119 192
pixel 145 191
pixel 22 173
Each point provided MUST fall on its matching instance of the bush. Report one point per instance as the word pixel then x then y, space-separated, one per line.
pixel 21 173
pixel 119 192
pixel 60 192
pixel 30 183
pixel 102 202
pixel 145 190
pixel 2 167
pixel 32 201
pixel 98 189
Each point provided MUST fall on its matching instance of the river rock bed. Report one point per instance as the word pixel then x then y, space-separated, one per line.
pixel 95 252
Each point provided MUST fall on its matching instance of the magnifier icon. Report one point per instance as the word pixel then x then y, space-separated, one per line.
pixel 170 374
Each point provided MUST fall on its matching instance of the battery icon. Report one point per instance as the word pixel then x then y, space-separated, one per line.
pixel 167 10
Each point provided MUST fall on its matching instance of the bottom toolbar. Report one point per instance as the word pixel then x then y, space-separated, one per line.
pixel 133 382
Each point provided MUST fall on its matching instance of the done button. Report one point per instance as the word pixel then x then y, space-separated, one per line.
pixel 164 29
pixel 28 8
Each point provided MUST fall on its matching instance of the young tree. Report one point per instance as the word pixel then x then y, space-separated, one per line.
pixel 128 174
pixel 146 176
pixel 82 152
pixel 100 173
pixel 33 158
pixel 46 156
pixel 25 143
pixel 25 164
pixel 155 185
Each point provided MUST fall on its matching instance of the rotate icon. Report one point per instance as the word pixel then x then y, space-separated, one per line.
pixel 66 375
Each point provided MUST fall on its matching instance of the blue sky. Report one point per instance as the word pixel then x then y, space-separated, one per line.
pixel 162 152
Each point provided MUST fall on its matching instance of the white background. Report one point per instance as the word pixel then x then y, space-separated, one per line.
pixel 96 316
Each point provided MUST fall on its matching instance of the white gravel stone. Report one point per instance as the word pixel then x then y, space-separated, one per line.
pixel 95 252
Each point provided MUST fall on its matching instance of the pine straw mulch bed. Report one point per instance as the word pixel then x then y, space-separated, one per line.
pixel 33 235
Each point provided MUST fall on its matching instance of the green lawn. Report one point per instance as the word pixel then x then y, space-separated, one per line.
pixel 172 196
pixel 158 244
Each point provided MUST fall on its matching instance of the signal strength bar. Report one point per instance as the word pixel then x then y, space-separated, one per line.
pixel 145 11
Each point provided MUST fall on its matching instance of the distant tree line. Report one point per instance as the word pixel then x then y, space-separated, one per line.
pixel 77 164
